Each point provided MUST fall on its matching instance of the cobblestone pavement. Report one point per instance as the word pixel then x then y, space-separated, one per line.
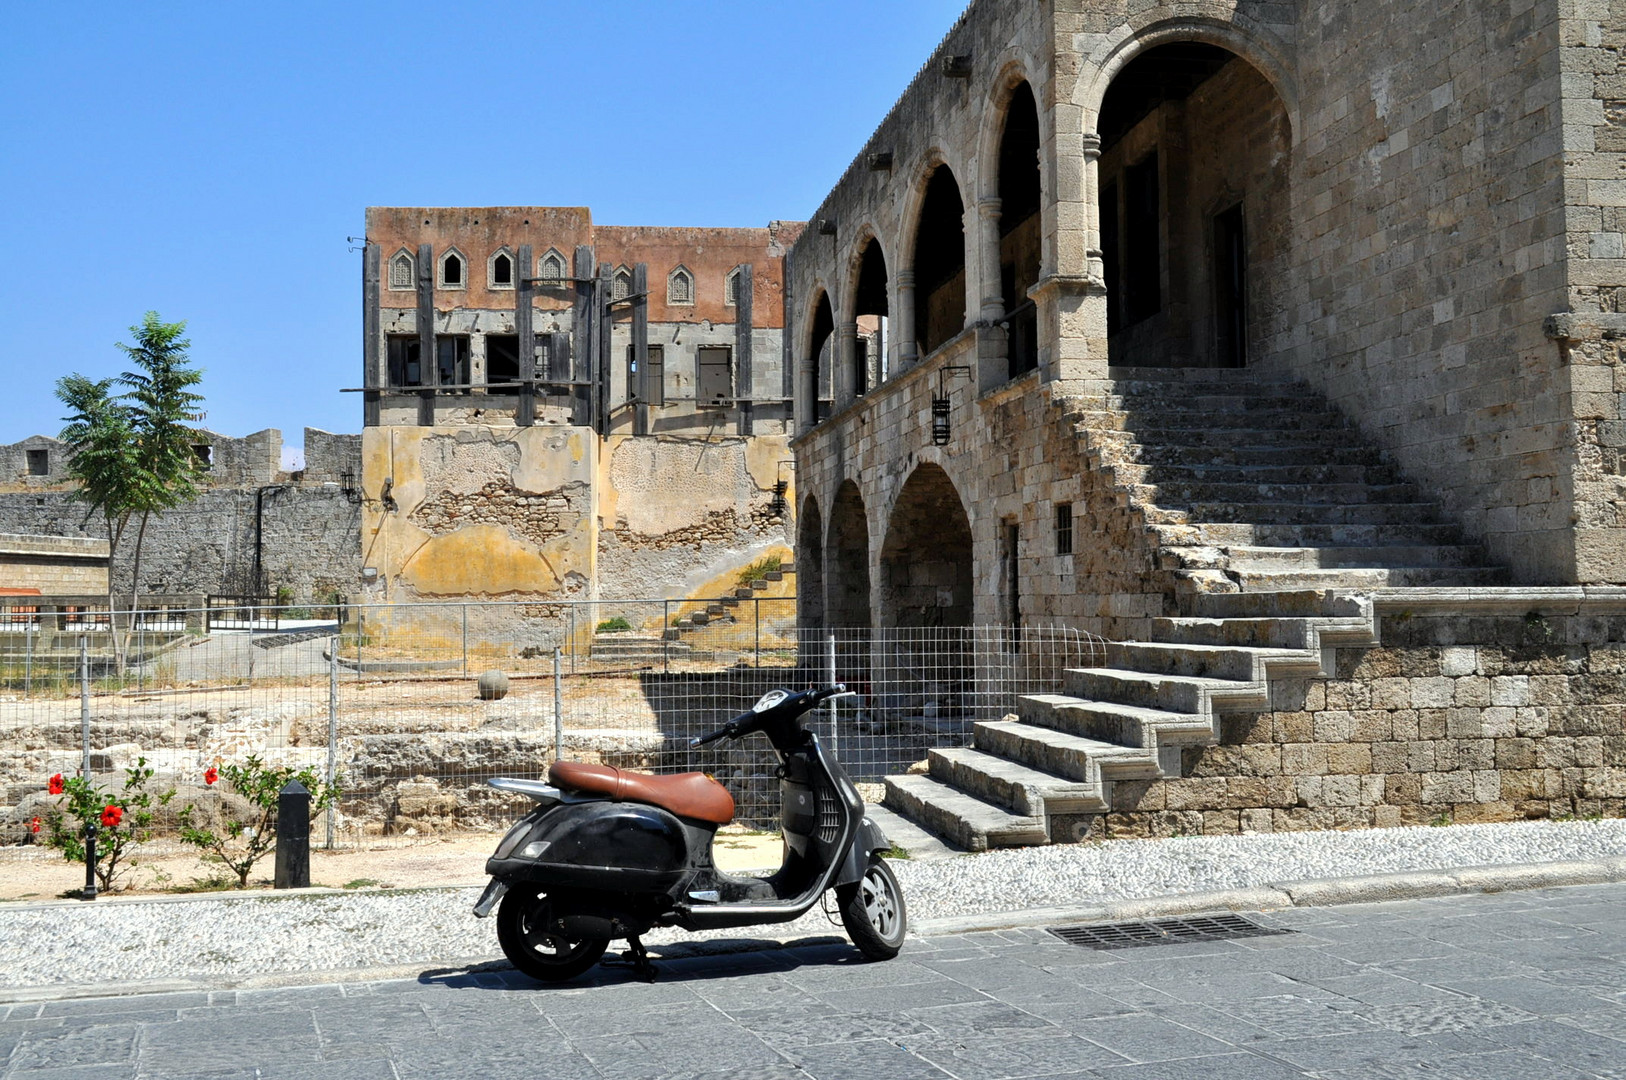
pixel 1529 985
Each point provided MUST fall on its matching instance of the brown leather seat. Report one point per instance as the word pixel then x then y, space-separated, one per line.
pixel 691 794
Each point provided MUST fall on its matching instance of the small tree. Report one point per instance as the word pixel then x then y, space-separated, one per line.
pixel 132 453
pixel 242 842
pixel 122 818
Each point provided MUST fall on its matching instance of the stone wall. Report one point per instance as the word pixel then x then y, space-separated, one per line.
pixel 1454 718
pixel 54 565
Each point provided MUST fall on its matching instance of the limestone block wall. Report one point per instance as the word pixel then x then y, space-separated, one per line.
pixel 18 459
pixel 54 565
pixel 1453 718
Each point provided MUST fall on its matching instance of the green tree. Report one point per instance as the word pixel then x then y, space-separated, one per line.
pixel 132 452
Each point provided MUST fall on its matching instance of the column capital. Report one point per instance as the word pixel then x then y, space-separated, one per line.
pixel 906 279
pixel 990 206
pixel 1091 142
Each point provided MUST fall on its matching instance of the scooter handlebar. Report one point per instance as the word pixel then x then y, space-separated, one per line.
pixel 809 698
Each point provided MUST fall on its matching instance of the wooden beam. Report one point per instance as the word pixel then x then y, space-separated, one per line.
pixel 428 365
pixel 744 384
pixel 526 332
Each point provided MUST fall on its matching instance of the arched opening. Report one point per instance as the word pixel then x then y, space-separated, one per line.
pixel 847 591
pixel 819 393
pixel 939 263
pixel 869 357
pixel 926 561
pixel 1019 239
pixel 1193 184
pixel 810 564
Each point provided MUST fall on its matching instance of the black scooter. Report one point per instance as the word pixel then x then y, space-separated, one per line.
pixel 608 854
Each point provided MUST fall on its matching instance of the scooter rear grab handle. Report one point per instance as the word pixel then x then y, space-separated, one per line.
pixel 803 702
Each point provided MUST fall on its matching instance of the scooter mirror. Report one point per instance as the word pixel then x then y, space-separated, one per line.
pixel 769 700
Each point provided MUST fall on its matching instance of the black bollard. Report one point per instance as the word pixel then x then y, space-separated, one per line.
pixel 90 862
pixel 293 837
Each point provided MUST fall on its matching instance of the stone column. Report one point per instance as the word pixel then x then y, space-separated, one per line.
pixel 904 329
pixel 843 383
pixel 1094 268
pixel 993 344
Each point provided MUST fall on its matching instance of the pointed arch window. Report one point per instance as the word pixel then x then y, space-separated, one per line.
pixel 680 286
pixel 621 287
pixel 453 270
pixel 401 276
pixel 500 270
pixel 731 288
pixel 551 267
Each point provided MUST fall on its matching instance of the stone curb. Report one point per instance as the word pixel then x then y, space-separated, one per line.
pixel 1324 892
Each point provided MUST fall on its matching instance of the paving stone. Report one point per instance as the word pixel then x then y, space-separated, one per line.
pixel 1143 1037
pixel 976 1056
pixel 1215 1067
pixel 866 1058
pixel 57 1048
pixel 1510 1065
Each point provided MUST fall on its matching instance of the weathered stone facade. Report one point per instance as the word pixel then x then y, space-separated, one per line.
pixel 52 565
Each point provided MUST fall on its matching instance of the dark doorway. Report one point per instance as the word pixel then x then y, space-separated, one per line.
pixel 940 263
pixel 926 574
pixel 502 360
pixel 810 564
pixel 847 587
pixel 871 313
pixel 824 326
pixel 1019 241
pixel 1230 288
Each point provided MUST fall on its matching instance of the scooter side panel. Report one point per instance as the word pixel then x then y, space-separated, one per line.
pixel 602 845
pixel 870 839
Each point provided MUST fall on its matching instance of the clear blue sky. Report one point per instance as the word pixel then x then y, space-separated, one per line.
pixel 207 161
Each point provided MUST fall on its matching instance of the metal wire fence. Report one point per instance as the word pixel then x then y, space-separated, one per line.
pixel 388 699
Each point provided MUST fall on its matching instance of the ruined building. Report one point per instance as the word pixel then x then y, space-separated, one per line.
pixel 563 410
pixel 1276 342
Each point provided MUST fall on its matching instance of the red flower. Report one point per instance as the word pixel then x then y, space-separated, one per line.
pixel 35 825
pixel 111 816
pixel 210 775
pixel 56 786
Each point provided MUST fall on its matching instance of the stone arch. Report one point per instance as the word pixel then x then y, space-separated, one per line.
pixel 820 344
pixel 925 564
pixel 938 260
pixel 847 557
pixel 810 564
pixel 1019 184
pixel 867 299
pixel 1193 232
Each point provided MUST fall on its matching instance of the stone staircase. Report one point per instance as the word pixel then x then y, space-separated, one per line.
pixel 1273 516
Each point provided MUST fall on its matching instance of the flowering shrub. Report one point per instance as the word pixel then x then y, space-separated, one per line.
pixel 242 842
pixel 122 819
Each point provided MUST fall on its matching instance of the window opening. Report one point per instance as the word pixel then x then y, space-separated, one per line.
pixel 657 374
pixel 1019 241
pixel 1143 241
pixel 405 368
pixel 940 263
pixel 204 453
pixel 1064 528
pixel 502 360
pixel 731 288
pixel 552 267
pixel 621 288
pixel 401 271
pixel 451 271
pixel 824 325
pixel 680 287
pixel 39 463
pixel 453 354
pixel 1230 288
pixel 1013 581
pixel 715 376
pixel 502 272
pixel 871 311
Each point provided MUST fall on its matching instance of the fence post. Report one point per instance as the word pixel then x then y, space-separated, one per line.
pixel 465 639
pixel 84 759
pixel 666 645
pixel 361 622
pixel 28 659
pixel 757 603
pixel 833 733
pixel 558 711
pixel 332 728
pixel 293 837
pixel 572 639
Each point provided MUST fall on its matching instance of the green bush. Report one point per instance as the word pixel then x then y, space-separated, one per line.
pixel 758 570
pixel 617 623
pixel 122 819
pixel 242 843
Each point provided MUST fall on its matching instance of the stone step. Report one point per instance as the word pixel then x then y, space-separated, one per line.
pixel 1272 633
pixel 1269 605
pixel 1246 456
pixel 1367 578
pixel 1190 427
pixel 1253 557
pixel 1196 376
pixel 1168 693
pixel 1283 513
pixel 1132 726
pixel 1299 472
pixel 961 819
pixel 1309 438
pixel 1232 662
pixel 1318 535
pixel 1009 784
pixel 1210 492
pixel 1208 399
pixel 1075 757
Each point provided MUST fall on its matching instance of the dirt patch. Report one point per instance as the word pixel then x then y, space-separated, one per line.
pixel 41 874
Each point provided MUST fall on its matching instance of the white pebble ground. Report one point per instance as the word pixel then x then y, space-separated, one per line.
pixel 246 937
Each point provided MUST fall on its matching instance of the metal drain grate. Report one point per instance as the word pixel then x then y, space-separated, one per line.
pixel 1130 935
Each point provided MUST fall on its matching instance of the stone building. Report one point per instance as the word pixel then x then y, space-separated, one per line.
pixel 606 414
pixel 1275 342
pixel 254 529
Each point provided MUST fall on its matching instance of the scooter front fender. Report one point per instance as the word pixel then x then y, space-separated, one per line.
pixel 869 839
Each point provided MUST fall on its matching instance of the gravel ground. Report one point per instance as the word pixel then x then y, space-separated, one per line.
pixel 246 937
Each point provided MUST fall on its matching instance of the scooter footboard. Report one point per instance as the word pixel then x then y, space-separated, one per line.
pixel 869 840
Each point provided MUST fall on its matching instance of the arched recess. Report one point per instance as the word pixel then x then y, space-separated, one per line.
pixel 819 346
pixel 1192 189
pixel 810 564
pixel 926 574
pixel 871 313
pixel 939 266
pixel 1020 239
pixel 847 588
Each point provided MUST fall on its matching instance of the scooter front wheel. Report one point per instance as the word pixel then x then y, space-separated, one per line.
pixel 538 952
pixel 872 911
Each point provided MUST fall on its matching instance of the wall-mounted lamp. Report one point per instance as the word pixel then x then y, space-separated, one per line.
pixel 941 405
pixel 347 485
pixel 386 498
pixel 780 487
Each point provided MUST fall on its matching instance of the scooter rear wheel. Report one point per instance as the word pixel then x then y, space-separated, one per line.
pixel 872 911
pixel 537 952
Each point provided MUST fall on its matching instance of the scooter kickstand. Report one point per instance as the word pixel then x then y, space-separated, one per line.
pixel 640 960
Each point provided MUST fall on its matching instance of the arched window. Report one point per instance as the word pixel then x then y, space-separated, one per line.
pixel 401 270
pixel 551 267
pixel 939 263
pixel 452 274
pixel 621 288
pixel 731 288
pixel 500 273
pixel 680 286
